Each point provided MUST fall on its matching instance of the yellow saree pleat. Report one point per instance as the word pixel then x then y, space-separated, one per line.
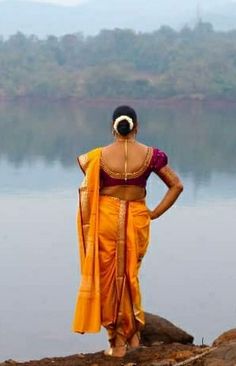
pixel 87 315
pixel 123 241
pixel 113 237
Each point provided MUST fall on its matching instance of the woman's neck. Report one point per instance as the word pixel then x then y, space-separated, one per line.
pixel 123 139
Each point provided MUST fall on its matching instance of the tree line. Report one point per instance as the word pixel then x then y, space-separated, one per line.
pixel 192 62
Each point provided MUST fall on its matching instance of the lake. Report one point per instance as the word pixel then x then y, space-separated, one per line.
pixel 188 275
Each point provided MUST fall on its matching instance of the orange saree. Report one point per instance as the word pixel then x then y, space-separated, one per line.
pixel 113 238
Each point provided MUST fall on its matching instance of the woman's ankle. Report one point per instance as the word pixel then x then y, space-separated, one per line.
pixel 134 340
pixel 120 341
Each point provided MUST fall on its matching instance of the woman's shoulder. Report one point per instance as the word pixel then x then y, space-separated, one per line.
pixel 155 148
pixel 159 158
pixel 91 152
pixel 157 152
pixel 84 158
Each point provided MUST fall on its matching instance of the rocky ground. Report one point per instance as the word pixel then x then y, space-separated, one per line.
pixel 164 344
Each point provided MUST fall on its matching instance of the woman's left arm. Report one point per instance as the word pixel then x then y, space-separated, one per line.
pixel 173 182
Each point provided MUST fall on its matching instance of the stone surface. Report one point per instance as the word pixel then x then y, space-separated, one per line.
pixel 222 355
pixel 161 355
pixel 163 363
pixel 183 355
pixel 215 362
pixel 158 329
pixel 229 335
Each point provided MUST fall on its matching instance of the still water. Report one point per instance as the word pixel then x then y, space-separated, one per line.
pixel 188 275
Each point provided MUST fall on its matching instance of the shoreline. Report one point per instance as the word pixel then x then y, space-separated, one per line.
pixel 174 354
pixel 162 344
pixel 166 354
pixel 176 101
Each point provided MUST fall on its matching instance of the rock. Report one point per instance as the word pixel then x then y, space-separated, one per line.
pixel 163 363
pixel 161 355
pixel 214 362
pixel 158 329
pixel 225 337
pixel 223 355
pixel 183 355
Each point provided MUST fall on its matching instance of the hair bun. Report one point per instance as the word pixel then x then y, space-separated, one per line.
pixel 124 120
pixel 123 125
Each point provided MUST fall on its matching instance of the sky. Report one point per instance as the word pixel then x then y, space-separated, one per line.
pixel 58 2
pixel 77 2
pixel 181 2
pixel 61 2
pixel 108 14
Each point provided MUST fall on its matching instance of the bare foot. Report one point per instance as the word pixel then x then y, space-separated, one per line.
pixel 116 351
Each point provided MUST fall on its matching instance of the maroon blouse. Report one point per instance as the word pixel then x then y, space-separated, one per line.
pixel 154 161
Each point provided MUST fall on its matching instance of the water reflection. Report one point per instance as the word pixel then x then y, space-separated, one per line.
pixel 199 138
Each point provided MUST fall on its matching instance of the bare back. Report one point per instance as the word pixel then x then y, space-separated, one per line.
pixel 113 157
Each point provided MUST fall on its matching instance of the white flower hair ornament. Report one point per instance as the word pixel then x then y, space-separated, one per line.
pixel 121 118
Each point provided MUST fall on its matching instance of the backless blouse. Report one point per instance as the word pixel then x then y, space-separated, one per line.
pixel 155 159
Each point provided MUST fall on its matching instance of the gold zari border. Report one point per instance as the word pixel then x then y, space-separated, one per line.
pixel 135 174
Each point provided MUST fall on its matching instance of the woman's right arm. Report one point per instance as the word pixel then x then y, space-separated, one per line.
pixel 173 182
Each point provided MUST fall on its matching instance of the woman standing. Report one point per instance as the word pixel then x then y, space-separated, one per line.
pixel 113 224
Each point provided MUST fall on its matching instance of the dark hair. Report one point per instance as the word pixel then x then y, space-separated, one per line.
pixel 123 127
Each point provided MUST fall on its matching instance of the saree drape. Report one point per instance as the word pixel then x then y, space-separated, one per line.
pixel 113 238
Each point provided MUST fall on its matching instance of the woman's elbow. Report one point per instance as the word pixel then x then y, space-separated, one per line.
pixel 179 187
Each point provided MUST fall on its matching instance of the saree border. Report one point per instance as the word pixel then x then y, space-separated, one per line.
pixel 122 278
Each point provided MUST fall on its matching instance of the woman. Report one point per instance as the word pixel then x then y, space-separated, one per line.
pixel 113 228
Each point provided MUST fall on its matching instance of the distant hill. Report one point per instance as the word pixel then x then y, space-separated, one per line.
pixel 197 63
pixel 90 17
